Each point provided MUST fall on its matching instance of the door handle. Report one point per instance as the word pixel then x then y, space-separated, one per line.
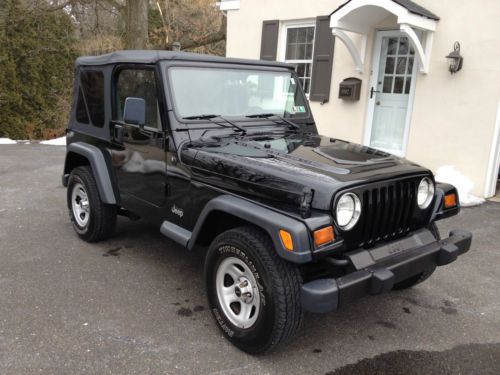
pixel 372 91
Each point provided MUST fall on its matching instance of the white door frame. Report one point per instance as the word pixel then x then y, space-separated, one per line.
pixel 377 51
pixel 494 160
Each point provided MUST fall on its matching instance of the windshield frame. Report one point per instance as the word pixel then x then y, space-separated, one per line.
pixel 307 116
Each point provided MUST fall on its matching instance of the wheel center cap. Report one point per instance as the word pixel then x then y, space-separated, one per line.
pixel 244 290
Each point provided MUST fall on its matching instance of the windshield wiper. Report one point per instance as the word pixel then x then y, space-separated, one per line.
pixel 200 117
pixel 211 118
pixel 269 115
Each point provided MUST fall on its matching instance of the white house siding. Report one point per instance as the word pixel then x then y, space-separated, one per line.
pixel 453 116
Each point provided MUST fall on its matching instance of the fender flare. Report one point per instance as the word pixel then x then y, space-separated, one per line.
pixel 264 218
pixel 99 167
pixel 438 211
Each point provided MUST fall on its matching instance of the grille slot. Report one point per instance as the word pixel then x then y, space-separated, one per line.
pixel 387 211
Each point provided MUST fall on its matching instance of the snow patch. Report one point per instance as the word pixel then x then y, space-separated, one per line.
pixel 55 142
pixel 448 174
pixel 7 141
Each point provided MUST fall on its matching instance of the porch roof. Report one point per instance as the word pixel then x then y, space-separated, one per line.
pixel 359 16
pixel 409 5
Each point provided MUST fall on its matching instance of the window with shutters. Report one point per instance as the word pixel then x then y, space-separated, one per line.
pixel 299 43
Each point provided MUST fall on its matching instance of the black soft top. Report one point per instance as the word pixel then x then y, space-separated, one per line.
pixel 151 57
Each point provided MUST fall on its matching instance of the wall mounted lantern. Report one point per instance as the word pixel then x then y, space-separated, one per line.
pixel 456 59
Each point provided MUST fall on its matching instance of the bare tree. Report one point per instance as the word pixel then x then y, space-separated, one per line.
pixel 193 23
pixel 137 16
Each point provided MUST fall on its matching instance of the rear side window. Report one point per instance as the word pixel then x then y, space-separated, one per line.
pixel 90 104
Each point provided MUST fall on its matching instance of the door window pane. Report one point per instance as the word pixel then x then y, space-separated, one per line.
pixel 389 65
pixel 408 85
pixel 398 85
pixel 393 45
pixel 401 66
pixel 410 65
pixel 138 83
pixel 403 46
pixel 387 85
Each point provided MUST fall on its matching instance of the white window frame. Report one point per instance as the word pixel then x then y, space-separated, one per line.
pixel 283 42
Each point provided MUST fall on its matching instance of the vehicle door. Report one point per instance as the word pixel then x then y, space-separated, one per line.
pixel 140 164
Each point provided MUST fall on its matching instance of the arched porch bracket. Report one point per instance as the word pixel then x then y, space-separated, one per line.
pixel 358 55
pixel 422 55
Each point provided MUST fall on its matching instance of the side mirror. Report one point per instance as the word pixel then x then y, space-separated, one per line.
pixel 134 111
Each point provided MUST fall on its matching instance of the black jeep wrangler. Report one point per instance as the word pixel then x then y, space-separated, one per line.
pixel 224 154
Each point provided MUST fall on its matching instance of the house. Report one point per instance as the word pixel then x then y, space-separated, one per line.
pixel 410 103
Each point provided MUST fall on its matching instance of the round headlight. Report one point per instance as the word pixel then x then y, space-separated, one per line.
pixel 425 193
pixel 348 211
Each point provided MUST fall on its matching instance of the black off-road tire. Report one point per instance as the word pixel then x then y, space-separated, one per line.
pixel 279 283
pixel 102 217
pixel 421 277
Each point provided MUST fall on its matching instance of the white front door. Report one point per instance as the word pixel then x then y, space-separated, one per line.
pixel 391 91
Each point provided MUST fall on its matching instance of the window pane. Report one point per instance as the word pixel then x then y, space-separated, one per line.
pixel 92 84
pixel 308 70
pixel 401 66
pixel 301 52
pixel 291 51
pixel 412 51
pixel 403 46
pixel 408 85
pixel 301 70
pixel 81 111
pixel 310 35
pixel 291 36
pixel 301 35
pixel 309 51
pixel 387 84
pixel 410 65
pixel 393 44
pixel 138 83
pixel 398 85
pixel 307 85
pixel 389 65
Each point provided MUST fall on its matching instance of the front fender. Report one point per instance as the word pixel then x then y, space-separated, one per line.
pixel 264 218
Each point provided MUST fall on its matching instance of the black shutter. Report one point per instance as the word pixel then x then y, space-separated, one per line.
pixel 269 41
pixel 322 61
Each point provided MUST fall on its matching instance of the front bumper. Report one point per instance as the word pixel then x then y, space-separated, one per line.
pixel 378 269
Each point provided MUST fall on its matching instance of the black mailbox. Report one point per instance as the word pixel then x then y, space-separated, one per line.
pixel 350 88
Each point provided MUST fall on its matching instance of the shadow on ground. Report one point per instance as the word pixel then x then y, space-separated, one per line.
pixel 463 359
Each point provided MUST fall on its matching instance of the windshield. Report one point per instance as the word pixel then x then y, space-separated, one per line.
pixel 235 92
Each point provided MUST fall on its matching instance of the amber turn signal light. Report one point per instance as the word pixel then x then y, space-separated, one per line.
pixel 323 236
pixel 450 200
pixel 286 239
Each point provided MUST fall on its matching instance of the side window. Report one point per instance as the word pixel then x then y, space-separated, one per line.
pixel 90 104
pixel 299 52
pixel 82 115
pixel 138 83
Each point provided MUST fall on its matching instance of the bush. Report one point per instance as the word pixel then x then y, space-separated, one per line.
pixel 36 72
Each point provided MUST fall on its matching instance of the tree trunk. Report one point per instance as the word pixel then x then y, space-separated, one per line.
pixel 137 12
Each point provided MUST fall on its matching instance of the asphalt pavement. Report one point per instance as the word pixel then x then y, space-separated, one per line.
pixel 135 304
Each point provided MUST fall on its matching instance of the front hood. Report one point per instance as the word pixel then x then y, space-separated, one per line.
pixel 283 167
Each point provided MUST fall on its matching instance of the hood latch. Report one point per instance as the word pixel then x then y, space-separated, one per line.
pixel 305 205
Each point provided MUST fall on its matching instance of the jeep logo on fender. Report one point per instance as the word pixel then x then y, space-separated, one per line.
pixel 177 211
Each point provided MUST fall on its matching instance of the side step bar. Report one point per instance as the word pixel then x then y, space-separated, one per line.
pixel 175 233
